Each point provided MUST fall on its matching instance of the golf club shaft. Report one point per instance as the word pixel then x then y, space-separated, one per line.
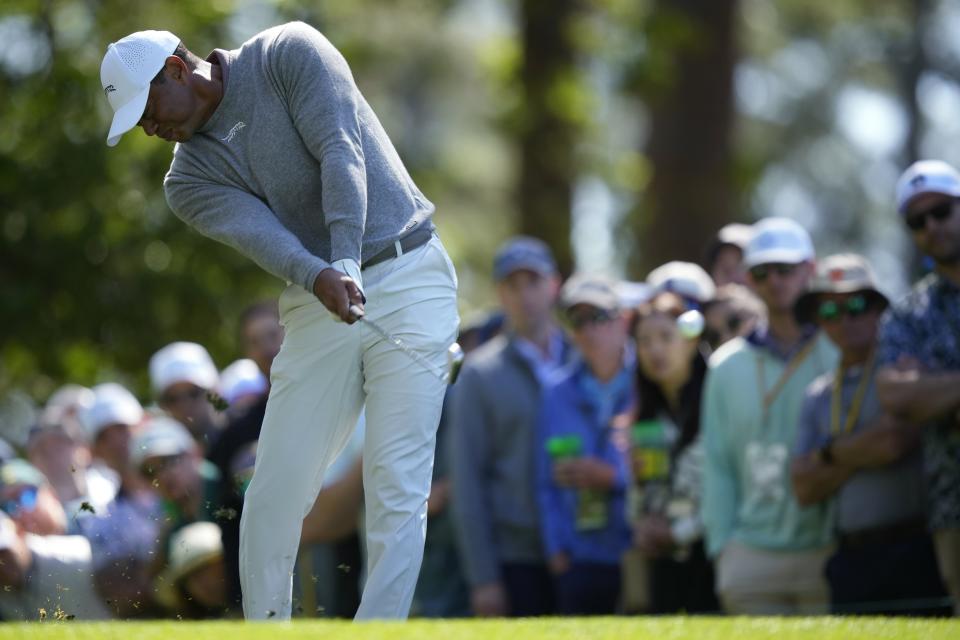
pixel 386 335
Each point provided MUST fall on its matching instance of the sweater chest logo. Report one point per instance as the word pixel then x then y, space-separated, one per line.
pixel 234 131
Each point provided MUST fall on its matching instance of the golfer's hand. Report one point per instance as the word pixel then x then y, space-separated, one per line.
pixel 337 291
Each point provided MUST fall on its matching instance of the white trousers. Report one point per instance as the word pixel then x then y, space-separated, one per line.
pixel 323 375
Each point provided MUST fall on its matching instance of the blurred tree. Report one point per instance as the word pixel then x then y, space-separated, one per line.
pixel 551 121
pixel 96 272
pixel 687 82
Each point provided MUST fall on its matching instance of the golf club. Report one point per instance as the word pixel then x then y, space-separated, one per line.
pixel 454 352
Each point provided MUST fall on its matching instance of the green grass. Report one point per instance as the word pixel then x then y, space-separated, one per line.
pixel 637 628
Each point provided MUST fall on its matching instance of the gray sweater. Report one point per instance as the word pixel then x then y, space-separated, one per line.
pixel 495 406
pixel 293 169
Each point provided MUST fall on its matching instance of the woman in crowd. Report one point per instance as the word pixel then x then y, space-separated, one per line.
pixel 665 456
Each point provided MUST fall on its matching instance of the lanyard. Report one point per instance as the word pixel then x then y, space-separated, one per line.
pixel 856 405
pixel 770 395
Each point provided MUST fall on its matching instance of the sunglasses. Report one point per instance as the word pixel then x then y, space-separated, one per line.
pixel 580 319
pixel 26 501
pixel 918 220
pixel 853 307
pixel 192 395
pixel 760 272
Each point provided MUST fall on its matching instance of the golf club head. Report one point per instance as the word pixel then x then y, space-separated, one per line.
pixel 454 362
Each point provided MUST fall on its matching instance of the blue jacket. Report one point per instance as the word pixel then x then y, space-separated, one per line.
pixel 576 404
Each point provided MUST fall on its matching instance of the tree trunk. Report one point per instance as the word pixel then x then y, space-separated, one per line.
pixel 546 135
pixel 690 195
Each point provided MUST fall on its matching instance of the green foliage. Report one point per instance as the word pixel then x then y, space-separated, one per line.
pixel 95 270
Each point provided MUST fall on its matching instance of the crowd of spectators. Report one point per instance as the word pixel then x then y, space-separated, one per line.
pixel 768 433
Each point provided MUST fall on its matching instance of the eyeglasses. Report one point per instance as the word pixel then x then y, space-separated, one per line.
pixel 26 501
pixel 580 319
pixel 761 271
pixel 853 307
pixel 918 220
pixel 193 394
pixel 159 464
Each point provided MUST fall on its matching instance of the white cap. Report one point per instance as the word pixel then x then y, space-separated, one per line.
pixel 191 548
pixel 194 545
pixel 778 240
pixel 927 176
pixel 125 74
pixel 633 294
pixel 182 362
pixel 112 404
pixel 241 378
pixel 686 279
pixel 66 403
pixel 162 436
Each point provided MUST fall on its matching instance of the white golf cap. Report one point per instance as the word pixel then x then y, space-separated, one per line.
pixel 778 240
pixel 112 404
pixel 182 362
pixel 162 436
pixel 926 176
pixel 125 74
pixel 242 378
pixel 686 279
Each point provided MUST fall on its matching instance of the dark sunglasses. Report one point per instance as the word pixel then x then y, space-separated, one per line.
pixel 26 501
pixel 853 307
pixel 761 271
pixel 193 394
pixel 918 220
pixel 580 319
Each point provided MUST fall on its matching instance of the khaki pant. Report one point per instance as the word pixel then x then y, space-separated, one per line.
pixel 947 542
pixel 326 371
pixel 752 581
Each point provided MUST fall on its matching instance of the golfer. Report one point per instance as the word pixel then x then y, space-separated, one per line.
pixel 279 156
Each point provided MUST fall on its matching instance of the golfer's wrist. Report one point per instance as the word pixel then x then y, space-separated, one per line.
pixel 350 267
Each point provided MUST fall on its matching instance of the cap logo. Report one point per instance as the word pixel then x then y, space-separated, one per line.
pixel 917 181
pixel 107 90
pixel 836 275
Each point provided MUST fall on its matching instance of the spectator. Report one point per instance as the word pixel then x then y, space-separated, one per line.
pixel 58 447
pixel 770 551
pixel 581 454
pixel 43 573
pixel 862 461
pixel 122 533
pixel 725 254
pixel 182 376
pixel 676 575
pixel 734 312
pixel 194 583
pixel 919 355
pixel 165 453
pixel 495 406
pixel 110 423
